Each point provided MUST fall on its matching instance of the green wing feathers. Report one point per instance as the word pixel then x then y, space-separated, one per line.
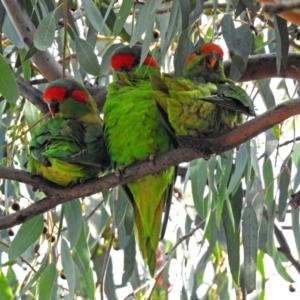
pixel 134 132
pixel 65 151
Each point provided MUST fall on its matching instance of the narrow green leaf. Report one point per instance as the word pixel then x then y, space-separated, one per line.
pixel 31 51
pixel 229 34
pixel 45 32
pixel 266 93
pixel 239 8
pixel 8 86
pixel 241 161
pixel 121 204
pixel 68 265
pixel 6 292
pixel 26 65
pixel 46 283
pixel 83 250
pixel 122 16
pixel 268 182
pixel 282 42
pixel 27 235
pixel 184 48
pixel 295 228
pixel 93 14
pixel 225 165
pixel 250 240
pixel 271 142
pixel 284 183
pixel 146 44
pixel 35 277
pixel 11 33
pixel 86 56
pixel 185 11
pixel 198 180
pixel 90 285
pixel 233 242
pixel 261 270
pixel 171 28
pixel 110 22
pixel 129 260
pixel 73 215
pixel 145 19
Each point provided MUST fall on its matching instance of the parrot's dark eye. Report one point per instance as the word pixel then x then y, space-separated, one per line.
pixel 198 52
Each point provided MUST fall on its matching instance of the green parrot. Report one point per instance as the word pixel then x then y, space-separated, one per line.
pixel 175 97
pixel 70 147
pixel 134 132
pixel 205 65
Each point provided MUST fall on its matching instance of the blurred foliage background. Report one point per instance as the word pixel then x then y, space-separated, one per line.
pixel 231 230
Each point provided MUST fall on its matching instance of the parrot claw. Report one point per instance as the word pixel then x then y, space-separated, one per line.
pixel 119 171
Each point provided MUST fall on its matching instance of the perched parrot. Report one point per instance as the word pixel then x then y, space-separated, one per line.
pixel 70 147
pixel 134 132
pixel 175 97
pixel 205 65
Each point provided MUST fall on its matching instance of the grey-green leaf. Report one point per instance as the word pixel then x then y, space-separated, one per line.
pixel 284 183
pixel 86 56
pixel 68 265
pixel 250 238
pixel 6 292
pixel 45 286
pixel 27 235
pixel 145 19
pixel 122 16
pixel 93 14
pixel 282 42
pixel 45 33
pixel 82 249
pixel 73 215
pixel 8 85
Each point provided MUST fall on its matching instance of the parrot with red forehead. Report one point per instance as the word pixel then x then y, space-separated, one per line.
pixel 134 132
pixel 205 65
pixel 70 147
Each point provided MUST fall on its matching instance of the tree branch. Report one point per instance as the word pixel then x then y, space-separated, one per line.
pixel 263 66
pixel 44 61
pixel 196 148
pixel 33 95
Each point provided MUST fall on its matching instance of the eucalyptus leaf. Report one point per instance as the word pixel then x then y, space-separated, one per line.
pixel 250 239
pixel 86 56
pixel 284 183
pixel 45 32
pixel 145 20
pixel 73 215
pixel 68 265
pixel 93 14
pixel 122 16
pixel 46 283
pixel 6 292
pixel 8 86
pixel 282 42
pixel 27 235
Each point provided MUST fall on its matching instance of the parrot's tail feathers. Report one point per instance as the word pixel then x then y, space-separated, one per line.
pixel 168 205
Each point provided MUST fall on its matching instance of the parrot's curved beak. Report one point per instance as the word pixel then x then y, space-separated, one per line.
pixel 53 107
pixel 211 60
